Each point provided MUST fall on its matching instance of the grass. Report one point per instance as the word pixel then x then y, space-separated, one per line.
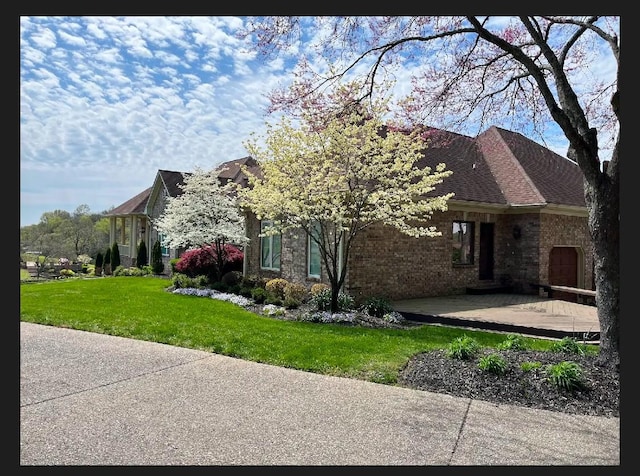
pixel 141 308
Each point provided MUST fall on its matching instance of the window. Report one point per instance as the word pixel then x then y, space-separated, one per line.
pixel 270 247
pixel 163 248
pixel 463 242
pixel 313 252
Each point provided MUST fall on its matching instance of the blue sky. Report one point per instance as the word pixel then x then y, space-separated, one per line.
pixel 105 102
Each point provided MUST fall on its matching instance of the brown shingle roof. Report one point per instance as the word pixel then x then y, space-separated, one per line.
pixel 172 180
pixel 231 171
pixel 471 179
pixel 135 205
pixel 504 167
pixel 555 179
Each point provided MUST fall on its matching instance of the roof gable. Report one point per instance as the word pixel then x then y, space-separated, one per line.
pixel 556 179
pixel 231 171
pixel 172 181
pixel 135 205
pixel 471 179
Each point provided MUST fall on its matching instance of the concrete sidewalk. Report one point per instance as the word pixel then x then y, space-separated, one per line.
pixel 93 399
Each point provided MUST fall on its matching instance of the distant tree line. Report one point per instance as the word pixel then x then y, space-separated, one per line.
pixel 63 235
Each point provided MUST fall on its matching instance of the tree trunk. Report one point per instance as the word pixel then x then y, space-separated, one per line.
pixel 604 226
pixel 335 291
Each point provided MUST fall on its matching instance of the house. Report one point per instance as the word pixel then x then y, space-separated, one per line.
pixel 132 221
pixel 518 218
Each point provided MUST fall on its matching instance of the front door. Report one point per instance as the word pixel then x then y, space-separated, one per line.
pixel 486 252
pixel 563 271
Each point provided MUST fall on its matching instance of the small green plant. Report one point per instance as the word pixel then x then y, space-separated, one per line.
pixel 463 347
pixel 259 295
pixel 530 366
pixel 67 273
pixel 512 342
pixel 273 310
pixel 321 300
pixel 493 363
pixel 180 280
pixel 568 345
pixel 565 375
pixel 377 306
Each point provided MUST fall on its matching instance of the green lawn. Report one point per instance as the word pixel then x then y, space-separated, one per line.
pixel 141 308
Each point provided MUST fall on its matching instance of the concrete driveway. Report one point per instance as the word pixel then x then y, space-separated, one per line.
pixel 93 399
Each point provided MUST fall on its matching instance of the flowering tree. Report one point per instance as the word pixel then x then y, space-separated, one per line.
pixel 528 73
pixel 205 215
pixel 338 174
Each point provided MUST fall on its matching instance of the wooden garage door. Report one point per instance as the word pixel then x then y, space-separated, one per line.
pixel 563 271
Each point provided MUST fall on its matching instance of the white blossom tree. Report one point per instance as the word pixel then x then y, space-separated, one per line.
pixel 205 215
pixel 334 177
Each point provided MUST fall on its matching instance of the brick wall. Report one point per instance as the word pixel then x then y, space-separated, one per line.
pixel 385 262
pixel 562 230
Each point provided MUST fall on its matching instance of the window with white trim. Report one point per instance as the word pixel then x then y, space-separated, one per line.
pixel 163 248
pixel 313 251
pixel 463 238
pixel 270 248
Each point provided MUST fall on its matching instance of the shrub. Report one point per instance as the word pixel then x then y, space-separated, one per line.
pixel 203 261
pixel 463 347
pixel 294 295
pixel 232 278
pixel 98 267
pixel 142 258
pixel 115 256
pixel 220 286
pixel 276 287
pixel 157 265
pixel 259 295
pixel 565 375
pixel 377 306
pixel 172 263
pixel 319 287
pixel 130 271
pixel 568 345
pixel 254 281
pixel 180 280
pixel 512 342
pixel 106 265
pixel 493 363
pixel 67 273
pixel 321 300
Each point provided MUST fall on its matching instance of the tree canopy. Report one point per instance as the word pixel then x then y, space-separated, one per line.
pixel 205 215
pixel 334 177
